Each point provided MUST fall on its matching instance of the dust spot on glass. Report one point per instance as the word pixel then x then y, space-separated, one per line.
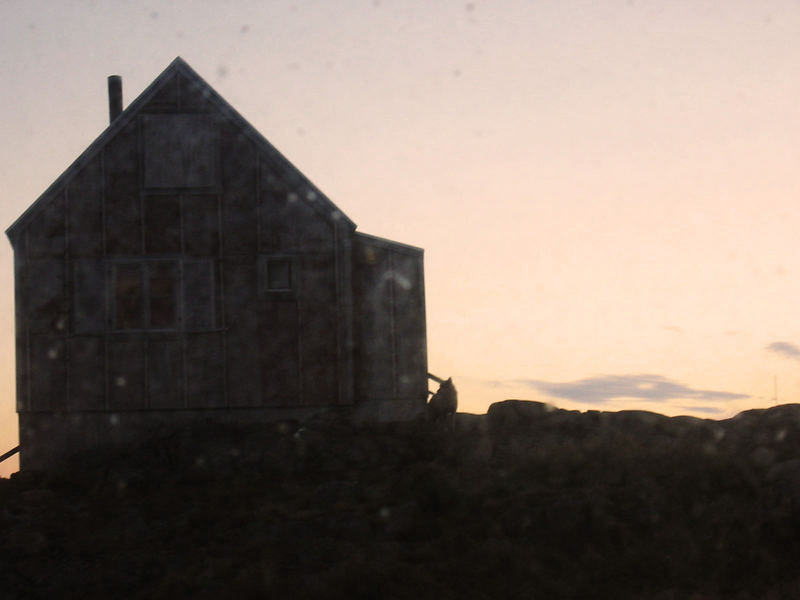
pixel 311 195
pixel 456 72
pixel 234 452
pixel 121 484
pixel 154 15
pixel 244 29
pixel 120 381
pixel 370 256
pixel 469 7
pixel 52 353
pixel 336 215
pixel 200 461
pixel 385 512
pixel 402 282
pixel 113 419
pixel 292 198
pixel 61 323
pixel 300 131
pixel 294 66
pixel 222 71
pixel 780 435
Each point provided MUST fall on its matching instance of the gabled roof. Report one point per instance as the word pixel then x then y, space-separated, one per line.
pixel 177 66
pixel 382 242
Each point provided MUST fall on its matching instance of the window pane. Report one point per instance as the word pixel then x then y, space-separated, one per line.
pixel 128 297
pixel 162 295
pixel 162 224
pixel 279 274
pixel 201 225
pixel 198 295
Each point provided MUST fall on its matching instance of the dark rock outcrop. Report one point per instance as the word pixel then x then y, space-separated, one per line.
pixel 525 501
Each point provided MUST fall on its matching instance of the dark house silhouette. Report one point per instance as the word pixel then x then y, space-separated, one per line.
pixel 182 269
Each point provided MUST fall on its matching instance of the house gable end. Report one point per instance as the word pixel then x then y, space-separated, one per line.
pixel 180 88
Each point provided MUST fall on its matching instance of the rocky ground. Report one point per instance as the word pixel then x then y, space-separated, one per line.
pixel 523 502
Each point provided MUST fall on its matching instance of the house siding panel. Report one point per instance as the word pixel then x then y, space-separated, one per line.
pixel 243 341
pixel 46 232
pixel 240 193
pixel 409 308
pixel 374 331
pixel 205 377
pixel 48 362
pixel 45 296
pixel 200 215
pixel 85 215
pixel 319 354
pixel 165 373
pixel 87 373
pixel 88 296
pixel 280 362
pixel 126 373
pixel 123 214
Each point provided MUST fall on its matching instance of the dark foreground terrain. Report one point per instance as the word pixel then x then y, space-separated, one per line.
pixel 523 502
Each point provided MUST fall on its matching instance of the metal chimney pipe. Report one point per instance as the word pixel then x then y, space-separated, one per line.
pixel 114 97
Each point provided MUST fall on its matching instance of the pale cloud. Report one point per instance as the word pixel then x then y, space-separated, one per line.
pixel 650 388
pixel 711 410
pixel 786 349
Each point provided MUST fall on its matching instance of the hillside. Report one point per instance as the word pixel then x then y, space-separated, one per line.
pixel 525 501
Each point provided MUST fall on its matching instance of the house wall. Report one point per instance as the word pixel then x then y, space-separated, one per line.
pixel 390 335
pixel 167 274
pixel 181 270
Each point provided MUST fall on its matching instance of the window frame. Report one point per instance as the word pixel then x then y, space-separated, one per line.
pixel 145 275
pixel 292 261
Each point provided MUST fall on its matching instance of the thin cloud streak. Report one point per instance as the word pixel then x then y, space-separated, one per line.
pixel 711 410
pixel 785 349
pixel 650 388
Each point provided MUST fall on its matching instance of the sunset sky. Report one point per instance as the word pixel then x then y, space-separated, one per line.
pixel 608 193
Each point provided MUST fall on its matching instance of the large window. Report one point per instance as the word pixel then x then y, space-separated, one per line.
pixel 148 295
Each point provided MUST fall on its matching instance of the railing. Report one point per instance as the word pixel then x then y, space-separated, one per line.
pixel 9 454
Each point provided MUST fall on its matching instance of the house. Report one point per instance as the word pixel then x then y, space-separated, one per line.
pixel 182 269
